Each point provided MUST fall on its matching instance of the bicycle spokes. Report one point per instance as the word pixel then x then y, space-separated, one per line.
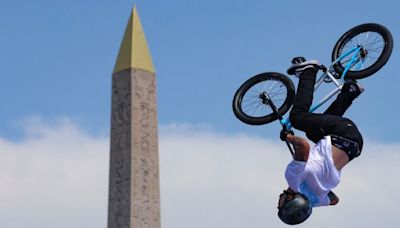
pixel 368 47
pixel 258 99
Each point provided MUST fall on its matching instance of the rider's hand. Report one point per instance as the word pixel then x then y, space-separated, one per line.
pixel 284 133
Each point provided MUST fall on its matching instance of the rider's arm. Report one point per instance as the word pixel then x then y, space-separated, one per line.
pixel 301 147
pixel 333 198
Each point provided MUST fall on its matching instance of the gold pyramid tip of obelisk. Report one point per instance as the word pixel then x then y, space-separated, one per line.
pixel 134 52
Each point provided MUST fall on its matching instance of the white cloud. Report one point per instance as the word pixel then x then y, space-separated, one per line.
pixel 58 175
pixel 213 180
pixel 55 177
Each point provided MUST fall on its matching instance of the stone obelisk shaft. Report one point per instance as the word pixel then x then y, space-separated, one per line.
pixel 134 192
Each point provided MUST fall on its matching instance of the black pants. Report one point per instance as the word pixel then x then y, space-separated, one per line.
pixel 316 126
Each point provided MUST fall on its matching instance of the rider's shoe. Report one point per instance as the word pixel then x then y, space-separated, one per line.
pixel 352 88
pixel 300 65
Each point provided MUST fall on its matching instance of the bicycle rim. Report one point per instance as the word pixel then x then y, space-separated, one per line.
pixel 253 105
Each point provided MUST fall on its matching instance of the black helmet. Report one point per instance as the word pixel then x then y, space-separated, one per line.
pixel 296 210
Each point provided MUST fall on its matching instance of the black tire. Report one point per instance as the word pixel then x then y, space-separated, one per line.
pixel 377 44
pixel 280 90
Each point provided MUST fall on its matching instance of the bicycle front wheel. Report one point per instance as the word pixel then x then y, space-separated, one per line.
pixel 375 43
pixel 249 105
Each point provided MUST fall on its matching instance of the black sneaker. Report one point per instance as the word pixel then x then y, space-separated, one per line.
pixel 300 65
pixel 353 88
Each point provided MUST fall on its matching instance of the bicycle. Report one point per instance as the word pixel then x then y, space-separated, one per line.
pixel 359 53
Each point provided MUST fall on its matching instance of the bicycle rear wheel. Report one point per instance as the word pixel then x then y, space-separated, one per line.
pixel 376 44
pixel 249 105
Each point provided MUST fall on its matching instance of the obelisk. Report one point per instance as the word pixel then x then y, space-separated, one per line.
pixel 134 191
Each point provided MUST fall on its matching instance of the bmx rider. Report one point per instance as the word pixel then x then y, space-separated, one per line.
pixel 313 172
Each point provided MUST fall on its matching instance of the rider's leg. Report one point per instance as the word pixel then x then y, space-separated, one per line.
pixel 305 91
pixel 350 91
pixel 300 117
pixel 316 126
pixel 343 131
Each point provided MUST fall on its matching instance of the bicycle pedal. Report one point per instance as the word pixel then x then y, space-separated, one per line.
pixel 298 60
pixel 336 75
pixel 323 68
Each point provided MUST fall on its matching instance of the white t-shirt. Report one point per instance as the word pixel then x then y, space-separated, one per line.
pixel 316 177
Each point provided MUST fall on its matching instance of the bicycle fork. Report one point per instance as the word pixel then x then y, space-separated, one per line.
pixel 267 101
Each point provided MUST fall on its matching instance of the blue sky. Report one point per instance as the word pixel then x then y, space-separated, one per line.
pixel 57 57
pixel 56 63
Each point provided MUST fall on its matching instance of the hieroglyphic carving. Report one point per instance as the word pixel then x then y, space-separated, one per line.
pixel 146 199
pixel 120 156
pixel 134 199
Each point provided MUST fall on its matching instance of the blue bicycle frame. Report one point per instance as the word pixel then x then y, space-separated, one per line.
pixel 355 59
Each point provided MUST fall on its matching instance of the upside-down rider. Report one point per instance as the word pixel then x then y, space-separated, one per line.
pixel 314 172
